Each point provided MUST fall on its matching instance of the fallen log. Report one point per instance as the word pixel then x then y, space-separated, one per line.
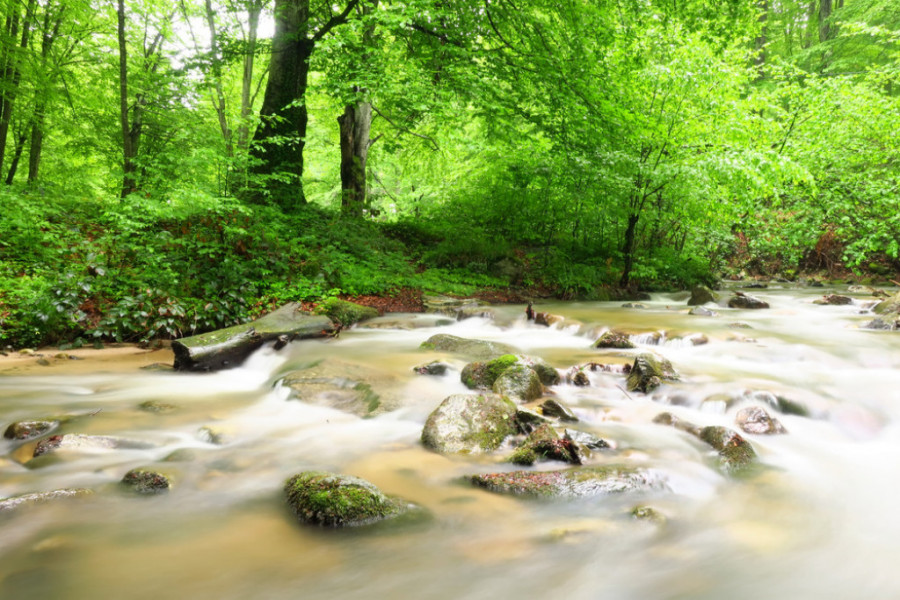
pixel 228 348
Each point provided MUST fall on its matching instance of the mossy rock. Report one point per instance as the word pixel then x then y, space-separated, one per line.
pixel 558 410
pixel 333 500
pixel 483 374
pixel 701 295
pixel 889 306
pixel 578 482
pixel 544 443
pixel 518 382
pixel 614 339
pixel 345 313
pixel 28 430
pixel 741 300
pixel 146 481
pixel 477 349
pixel 434 367
pixel 470 424
pixel 648 371
pixel 735 453
pixel 648 513
pixel 834 300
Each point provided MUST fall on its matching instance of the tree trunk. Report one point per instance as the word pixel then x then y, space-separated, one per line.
pixel 6 111
pixel 628 249
pixel 129 143
pixel 40 106
pixel 355 125
pixel 219 98
pixel 763 37
pixel 277 149
pixel 17 156
pixel 825 29
pixel 247 79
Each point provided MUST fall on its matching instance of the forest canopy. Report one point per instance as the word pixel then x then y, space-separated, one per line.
pixel 168 167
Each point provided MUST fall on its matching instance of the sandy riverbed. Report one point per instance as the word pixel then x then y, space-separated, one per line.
pixel 111 358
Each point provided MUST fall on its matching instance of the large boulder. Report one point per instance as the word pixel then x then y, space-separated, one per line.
pixel 228 348
pixel 333 500
pixel 483 374
pixel 648 372
pixel 742 300
pixel 477 349
pixel 834 299
pixel 888 306
pixel 614 339
pixel 345 313
pixel 701 295
pixel 518 382
pixel 571 483
pixel 470 424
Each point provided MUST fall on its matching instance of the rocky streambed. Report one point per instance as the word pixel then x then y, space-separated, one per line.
pixel 698 445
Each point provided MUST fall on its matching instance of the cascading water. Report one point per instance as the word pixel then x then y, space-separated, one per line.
pixel 816 520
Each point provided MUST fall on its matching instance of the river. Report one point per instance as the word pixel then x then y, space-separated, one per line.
pixel 818 520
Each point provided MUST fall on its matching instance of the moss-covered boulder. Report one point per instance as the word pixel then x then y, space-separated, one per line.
pixel 146 481
pixel 735 453
pixel 519 383
pixel 26 500
pixel 477 349
pixel 571 483
pixel 889 306
pixel 470 424
pixel 333 500
pixel 27 430
pixel 754 419
pixel 556 409
pixel 648 372
pixel 483 374
pixel 614 339
pixel 742 300
pixel 701 295
pixel 344 313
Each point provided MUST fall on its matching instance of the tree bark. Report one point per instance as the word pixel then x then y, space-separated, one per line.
pixel 825 29
pixel 253 12
pixel 15 76
pixel 40 106
pixel 355 125
pixel 129 139
pixel 763 37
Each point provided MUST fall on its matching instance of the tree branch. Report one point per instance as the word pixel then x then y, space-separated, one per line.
pixel 334 21
pixel 405 130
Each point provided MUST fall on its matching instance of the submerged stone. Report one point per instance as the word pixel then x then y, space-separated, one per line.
pixel 434 367
pixel 154 406
pixel 571 483
pixel 27 430
pixel 478 349
pixel 145 481
pixel 470 424
pixel 614 339
pixel 24 500
pixel 333 500
pixel 754 419
pixel 649 371
pixel 648 513
pixel 76 441
pixel 345 386
pixel 700 311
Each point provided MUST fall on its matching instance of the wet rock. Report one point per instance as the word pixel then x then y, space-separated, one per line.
pixel 25 500
pixel 154 406
pixel 634 305
pixel 701 311
pixel 528 420
pixel 588 440
pixel 740 325
pixel 701 295
pixel 571 483
pixel 333 500
pixel 181 455
pixel 834 299
pixel 754 419
pixel 614 339
pixel 471 312
pixel 580 379
pixel 27 430
pixel 518 382
pixel 77 441
pixel 345 386
pixel 218 436
pixel 447 305
pixel 647 513
pixel 787 406
pixel 756 286
pixel 815 283
pixel 478 349
pixel 482 375
pixel 891 324
pixel 696 339
pixel 145 481
pixel 546 319
pixel 557 410
pixel 544 443
pixel 735 453
pixel 344 313
pixel 470 424
pixel 435 367
pixel 888 306
pixel 741 300
pixel 648 372
pixel 158 367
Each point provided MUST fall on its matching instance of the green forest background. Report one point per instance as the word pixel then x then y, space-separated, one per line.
pixel 169 167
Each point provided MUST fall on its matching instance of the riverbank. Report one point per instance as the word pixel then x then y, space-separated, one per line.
pixel 112 358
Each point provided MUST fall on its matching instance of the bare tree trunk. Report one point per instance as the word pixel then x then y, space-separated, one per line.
pixel 40 106
pixel 17 155
pixel 355 125
pixel 219 99
pixel 253 11
pixel 763 37
pixel 15 76
pixel 129 140
pixel 825 30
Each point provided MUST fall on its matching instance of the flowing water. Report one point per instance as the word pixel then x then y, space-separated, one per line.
pixel 819 520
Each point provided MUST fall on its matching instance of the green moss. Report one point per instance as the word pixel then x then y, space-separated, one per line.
pixel 370 398
pixel 345 313
pixel 332 500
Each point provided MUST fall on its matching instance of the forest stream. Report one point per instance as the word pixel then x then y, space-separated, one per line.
pixel 816 519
